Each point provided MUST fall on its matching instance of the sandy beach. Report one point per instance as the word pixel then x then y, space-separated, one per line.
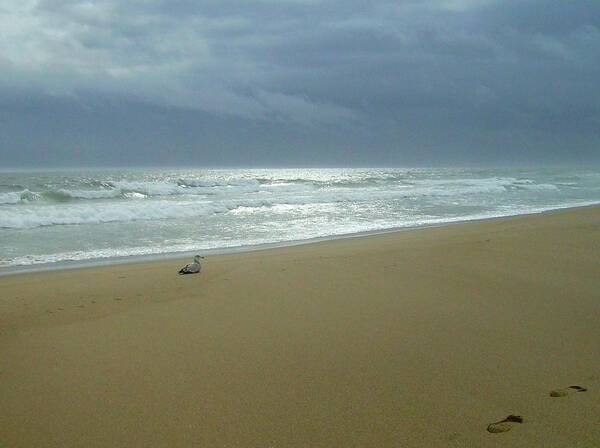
pixel 417 338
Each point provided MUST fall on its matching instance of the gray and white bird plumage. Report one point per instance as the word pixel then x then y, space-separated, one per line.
pixel 192 268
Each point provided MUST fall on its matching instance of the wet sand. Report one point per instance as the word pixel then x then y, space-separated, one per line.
pixel 421 338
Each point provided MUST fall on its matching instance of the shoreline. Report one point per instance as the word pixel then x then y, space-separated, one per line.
pixel 168 256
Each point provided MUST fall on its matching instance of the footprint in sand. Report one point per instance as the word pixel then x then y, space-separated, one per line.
pixel 566 391
pixel 505 425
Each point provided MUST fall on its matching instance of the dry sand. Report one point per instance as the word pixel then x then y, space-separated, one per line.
pixel 409 339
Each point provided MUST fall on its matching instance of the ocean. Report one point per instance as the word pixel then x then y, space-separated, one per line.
pixel 61 216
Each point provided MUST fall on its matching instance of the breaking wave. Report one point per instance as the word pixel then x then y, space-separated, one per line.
pixel 107 190
pixel 164 200
pixel 131 190
pixel 18 197
pixel 51 216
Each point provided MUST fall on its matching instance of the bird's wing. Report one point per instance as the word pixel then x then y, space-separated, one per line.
pixel 191 268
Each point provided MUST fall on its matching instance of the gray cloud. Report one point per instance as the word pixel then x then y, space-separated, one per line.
pixel 301 81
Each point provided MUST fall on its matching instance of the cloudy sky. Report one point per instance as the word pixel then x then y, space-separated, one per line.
pixel 299 82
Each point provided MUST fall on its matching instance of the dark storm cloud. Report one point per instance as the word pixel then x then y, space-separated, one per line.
pixel 299 81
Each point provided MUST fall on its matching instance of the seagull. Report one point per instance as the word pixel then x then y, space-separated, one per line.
pixel 192 268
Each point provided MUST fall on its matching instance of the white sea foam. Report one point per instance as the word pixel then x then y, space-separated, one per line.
pixel 235 187
pixel 148 188
pixel 231 182
pixel 89 194
pixel 457 190
pixel 18 197
pixel 29 217
pixel 65 216
pixel 10 198
pixel 90 213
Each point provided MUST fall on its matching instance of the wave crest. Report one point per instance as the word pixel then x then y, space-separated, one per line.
pixel 18 197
